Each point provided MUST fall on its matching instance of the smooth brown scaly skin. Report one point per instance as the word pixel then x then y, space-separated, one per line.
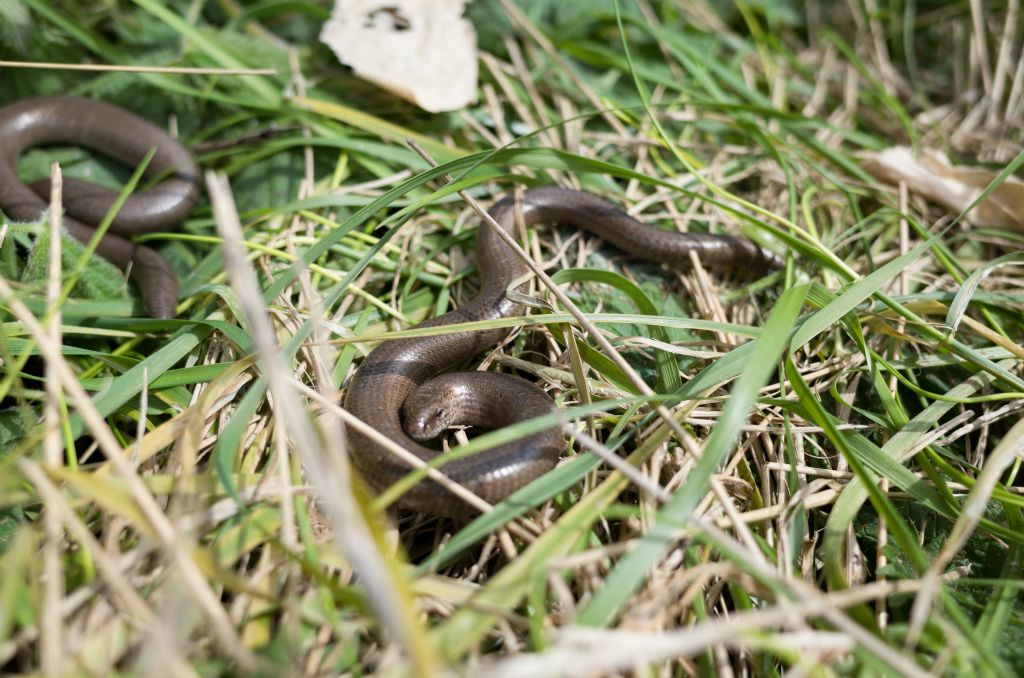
pixel 122 135
pixel 395 369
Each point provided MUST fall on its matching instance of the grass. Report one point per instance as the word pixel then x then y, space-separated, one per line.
pixel 818 471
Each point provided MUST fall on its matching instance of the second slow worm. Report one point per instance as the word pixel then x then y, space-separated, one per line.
pixel 397 391
pixel 120 134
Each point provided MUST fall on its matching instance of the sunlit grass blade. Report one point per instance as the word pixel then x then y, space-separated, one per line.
pixel 630 572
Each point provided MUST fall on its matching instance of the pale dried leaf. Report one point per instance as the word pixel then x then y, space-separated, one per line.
pixel 421 50
pixel 953 186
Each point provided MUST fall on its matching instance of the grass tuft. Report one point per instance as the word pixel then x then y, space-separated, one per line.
pixel 816 472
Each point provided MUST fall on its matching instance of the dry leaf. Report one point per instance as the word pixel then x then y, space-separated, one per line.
pixel 953 186
pixel 422 50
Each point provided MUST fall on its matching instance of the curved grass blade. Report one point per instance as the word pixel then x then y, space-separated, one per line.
pixel 965 294
pixel 668 369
